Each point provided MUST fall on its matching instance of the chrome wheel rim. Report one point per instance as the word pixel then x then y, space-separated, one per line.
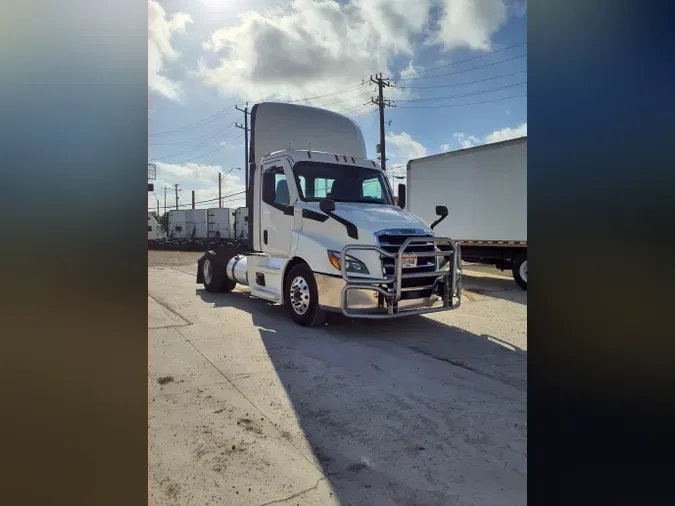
pixel 299 295
pixel 523 271
pixel 207 272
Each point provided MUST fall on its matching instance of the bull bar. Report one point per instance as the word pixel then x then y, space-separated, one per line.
pixel 390 286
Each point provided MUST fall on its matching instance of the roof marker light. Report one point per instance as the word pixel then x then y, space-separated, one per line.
pixel 345 157
pixel 337 158
pixel 309 153
pixel 353 161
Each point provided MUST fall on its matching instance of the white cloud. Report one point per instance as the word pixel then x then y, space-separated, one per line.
pixel 445 147
pixel 518 8
pixel 464 141
pixel 307 47
pixel 496 136
pixel 409 71
pixel 404 147
pixel 160 51
pixel 506 133
pixel 470 23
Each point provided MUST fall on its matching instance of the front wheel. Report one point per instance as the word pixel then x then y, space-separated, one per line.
pixel 520 271
pixel 302 297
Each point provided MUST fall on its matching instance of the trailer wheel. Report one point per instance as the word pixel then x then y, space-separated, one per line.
pixel 215 278
pixel 302 297
pixel 520 271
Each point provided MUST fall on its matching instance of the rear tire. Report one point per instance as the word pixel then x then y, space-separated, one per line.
pixel 520 271
pixel 215 278
pixel 302 297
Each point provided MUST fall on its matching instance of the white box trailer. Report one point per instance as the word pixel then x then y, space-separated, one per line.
pixel 485 191
pixel 154 228
pixel 196 224
pixel 220 223
pixel 241 224
pixel 177 226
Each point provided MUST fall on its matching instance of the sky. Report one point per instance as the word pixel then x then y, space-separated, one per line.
pixel 459 69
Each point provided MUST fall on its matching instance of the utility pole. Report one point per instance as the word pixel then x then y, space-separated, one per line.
pixel 176 187
pixel 165 188
pixel 246 130
pixel 220 192
pixel 193 199
pixel 381 83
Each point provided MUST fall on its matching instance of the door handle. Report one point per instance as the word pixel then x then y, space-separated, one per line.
pixel 265 236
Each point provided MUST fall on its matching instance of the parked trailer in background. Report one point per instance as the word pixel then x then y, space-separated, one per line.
pixel 154 228
pixel 485 191
pixel 241 224
pixel 196 224
pixel 220 223
pixel 177 226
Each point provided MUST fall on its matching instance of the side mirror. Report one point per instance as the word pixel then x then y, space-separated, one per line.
pixel 401 196
pixel 327 205
pixel 442 213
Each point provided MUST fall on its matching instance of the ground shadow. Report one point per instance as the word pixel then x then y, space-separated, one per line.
pixel 404 412
pixel 500 288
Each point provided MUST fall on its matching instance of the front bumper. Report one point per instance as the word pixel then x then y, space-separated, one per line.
pixel 358 297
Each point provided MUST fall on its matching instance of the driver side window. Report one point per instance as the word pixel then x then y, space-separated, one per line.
pixel 275 188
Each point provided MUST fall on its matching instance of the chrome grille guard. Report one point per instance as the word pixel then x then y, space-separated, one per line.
pixel 391 286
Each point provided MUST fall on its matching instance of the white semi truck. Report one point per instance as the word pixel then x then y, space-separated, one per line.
pixel 485 191
pixel 324 233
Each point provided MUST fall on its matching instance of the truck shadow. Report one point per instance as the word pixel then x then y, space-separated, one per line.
pixel 499 288
pixel 407 411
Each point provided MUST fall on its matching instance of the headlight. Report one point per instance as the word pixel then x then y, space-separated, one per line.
pixel 352 265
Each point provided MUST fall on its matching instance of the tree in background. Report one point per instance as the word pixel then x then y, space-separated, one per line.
pixel 163 220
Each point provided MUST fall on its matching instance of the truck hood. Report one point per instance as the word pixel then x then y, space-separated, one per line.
pixel 370 218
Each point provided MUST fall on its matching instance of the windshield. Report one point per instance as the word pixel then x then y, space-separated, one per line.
pixel 341 183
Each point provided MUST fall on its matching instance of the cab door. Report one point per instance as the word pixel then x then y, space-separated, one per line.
pixel 279 195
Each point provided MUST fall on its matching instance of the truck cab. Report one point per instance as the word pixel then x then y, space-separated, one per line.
pixel 324 232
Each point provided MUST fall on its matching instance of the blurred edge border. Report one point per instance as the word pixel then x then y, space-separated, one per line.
pixel 74 255
pixel 601 219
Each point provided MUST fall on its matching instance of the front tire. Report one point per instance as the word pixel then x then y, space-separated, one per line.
pixel 520 271
pixel 302 297
pixel 214 276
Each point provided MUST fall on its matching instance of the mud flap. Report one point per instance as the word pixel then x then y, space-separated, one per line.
pixel 200 268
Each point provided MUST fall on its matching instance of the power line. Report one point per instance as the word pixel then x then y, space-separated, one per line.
pixel 366 113
pixel 468 59
pixel 480 92
pixel 209 200
pixel 213 151
pixel 326 94
pixel 199 123
pixel 462 71
pixel 458 105
pixel 224 112
pixel 345 99
pixel 189 140
pixel 218 135
pixel 466 82
pixel 355 108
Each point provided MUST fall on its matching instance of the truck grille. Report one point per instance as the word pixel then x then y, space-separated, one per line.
pixel 414 288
